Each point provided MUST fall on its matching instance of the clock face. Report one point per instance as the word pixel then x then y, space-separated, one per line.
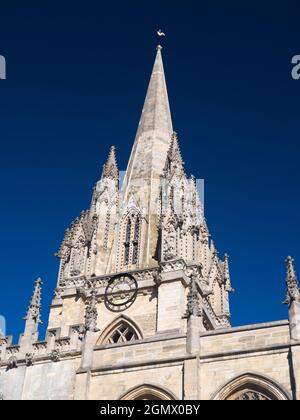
pixel 120 292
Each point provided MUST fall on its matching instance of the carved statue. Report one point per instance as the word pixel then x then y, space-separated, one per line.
pixel 77 259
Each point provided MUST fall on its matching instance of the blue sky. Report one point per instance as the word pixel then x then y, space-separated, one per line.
pixel 77 75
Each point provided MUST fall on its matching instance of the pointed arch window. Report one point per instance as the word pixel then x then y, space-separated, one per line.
pixel 250 395
pixel 148 392
pixel 120 331
pixel 122 334
pixel 127 242
pixel 132 239
pixel 251 387
pixel 136 237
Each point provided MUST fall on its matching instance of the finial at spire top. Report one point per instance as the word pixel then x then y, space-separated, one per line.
pixel 159 47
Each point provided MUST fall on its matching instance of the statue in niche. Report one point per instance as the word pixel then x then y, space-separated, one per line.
pixel 78 256
pixel 170 242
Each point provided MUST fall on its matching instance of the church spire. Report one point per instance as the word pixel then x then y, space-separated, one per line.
pixel 155 128
pixel 110 169
pixel 142 181
pixel 156 114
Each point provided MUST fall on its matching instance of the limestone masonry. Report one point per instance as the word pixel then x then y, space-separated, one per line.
pixel 141 306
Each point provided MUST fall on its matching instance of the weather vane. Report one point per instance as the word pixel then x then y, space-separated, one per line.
pixel 160 33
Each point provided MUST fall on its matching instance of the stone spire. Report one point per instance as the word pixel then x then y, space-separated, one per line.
pixel 174 163
pixel 110 169
pixel 148 157
pixel 34 309
pixel 293 293
pixel 156 114
pixel 155 128
pixel 109 178
pixel 33 319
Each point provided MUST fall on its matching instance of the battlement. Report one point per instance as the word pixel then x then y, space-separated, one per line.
pixel 54 347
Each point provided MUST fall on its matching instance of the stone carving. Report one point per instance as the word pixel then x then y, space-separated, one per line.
pixel 293 293
pixel 77 244
pixel 12 363
pixel 110 169
pixel 174 165
pixel 58 292
pixel 55 355
pixel 77 257
pixel 29 359
pixel 195 272
pixel 89 225
pixel 181 212
pixel 91 313
pixel 228 287
pixel 80 329
pixel 173 265
pixel 193 308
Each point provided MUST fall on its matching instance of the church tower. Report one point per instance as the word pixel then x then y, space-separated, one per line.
pixel 141 305
pixel 152 223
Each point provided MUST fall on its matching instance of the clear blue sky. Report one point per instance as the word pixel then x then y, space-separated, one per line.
pixel 77 74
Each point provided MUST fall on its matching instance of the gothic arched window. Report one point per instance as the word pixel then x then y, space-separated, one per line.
pixel 122 334
pixel 251 387
pixel 122 330
pixel 136 237
pixel 249 395
pixel 148 392
pixel 132 239
pixel 127 242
